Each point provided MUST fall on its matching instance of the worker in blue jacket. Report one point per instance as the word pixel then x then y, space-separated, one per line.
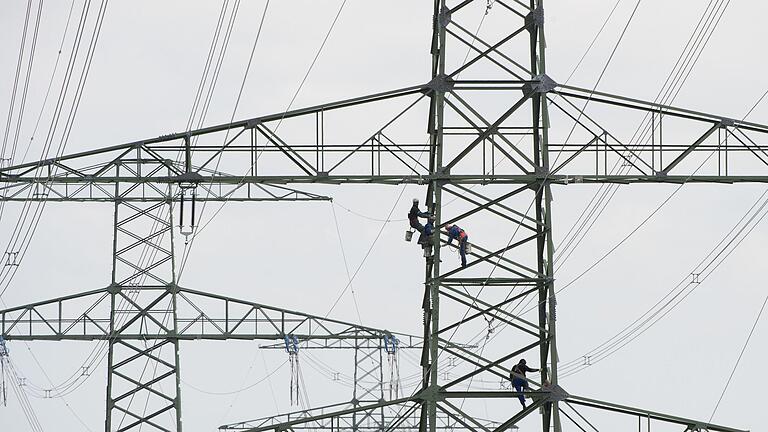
pixel 454 232
pixel 429 229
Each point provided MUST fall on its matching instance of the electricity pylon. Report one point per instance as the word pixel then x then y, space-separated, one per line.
pixel 492 146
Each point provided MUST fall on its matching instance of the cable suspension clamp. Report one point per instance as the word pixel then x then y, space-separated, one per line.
pixel 490 329
pixel 391 344
pixel 292 348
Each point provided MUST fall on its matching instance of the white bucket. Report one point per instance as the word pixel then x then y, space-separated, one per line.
pixel 469 248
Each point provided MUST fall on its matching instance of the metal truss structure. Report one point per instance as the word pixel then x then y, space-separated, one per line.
pixel 490 158
pixel 346 416
pixel 368 385
pixel 144 314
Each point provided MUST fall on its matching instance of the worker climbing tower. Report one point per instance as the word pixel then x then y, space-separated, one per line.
pixel 489 165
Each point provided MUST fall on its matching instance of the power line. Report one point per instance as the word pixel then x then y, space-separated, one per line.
pixel 608 188
pixel 16 78
pixel 185 255
pixel 298 90
pixel 602 73
pixel 23 232
pixel 207 67
pixel 738 360
pixel 666 95
pixel 346 265
pixel 25 91
pixel 675 296
pixel 754 215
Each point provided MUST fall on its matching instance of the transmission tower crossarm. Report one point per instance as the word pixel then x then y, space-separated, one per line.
pixel 310 420
pixel 88 176
pixel 667 110
pixel 200 315
pixel 653 415
pixel 20 170
pixel 288 425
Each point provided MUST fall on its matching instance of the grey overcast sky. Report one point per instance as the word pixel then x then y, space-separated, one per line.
pixel 142 83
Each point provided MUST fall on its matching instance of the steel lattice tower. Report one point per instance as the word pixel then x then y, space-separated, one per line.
pixel 488 147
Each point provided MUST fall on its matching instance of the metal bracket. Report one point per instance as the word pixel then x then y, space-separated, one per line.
pixel 431 393
pixel 189 178
pixel 726 122
pixel 444 18
pixel 540 84
pixel 535 18
pixel 556 393
pixel 441 83
pixel 113 288
pixel 543 172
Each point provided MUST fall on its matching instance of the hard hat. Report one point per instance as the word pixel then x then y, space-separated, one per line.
pixel 522 361
pixel 415 200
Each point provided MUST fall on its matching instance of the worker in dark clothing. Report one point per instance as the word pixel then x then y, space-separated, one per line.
pixel 519 382
pixel 454 232
pixel 415 214
pixel 429 229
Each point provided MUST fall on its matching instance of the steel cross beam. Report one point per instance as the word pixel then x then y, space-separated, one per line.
pixel 488 125
pixel 200 316
pixel 144 314
pixel 391 420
